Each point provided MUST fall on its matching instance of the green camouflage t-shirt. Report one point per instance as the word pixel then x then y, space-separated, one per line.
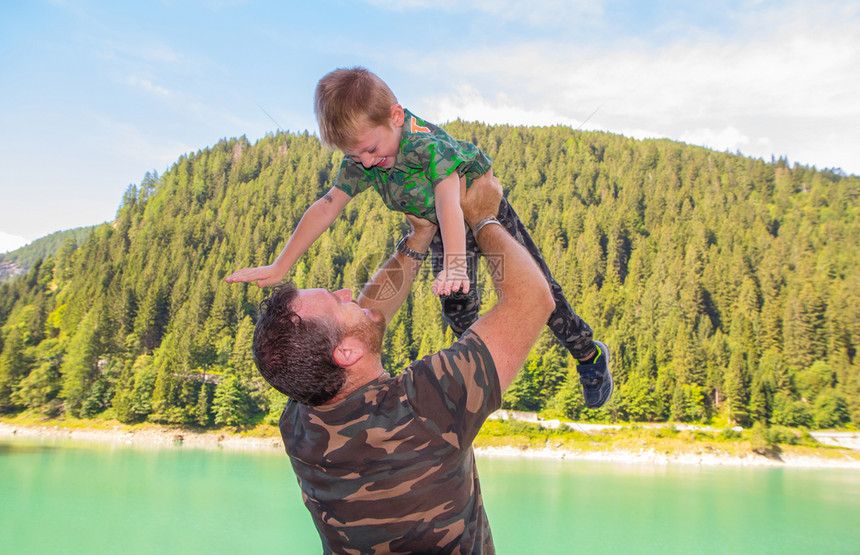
pixel 390 469
pixel 427 155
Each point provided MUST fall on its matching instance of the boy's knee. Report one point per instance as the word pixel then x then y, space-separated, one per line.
pixel 460 310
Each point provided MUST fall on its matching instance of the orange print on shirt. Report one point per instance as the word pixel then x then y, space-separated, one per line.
pixel 415 128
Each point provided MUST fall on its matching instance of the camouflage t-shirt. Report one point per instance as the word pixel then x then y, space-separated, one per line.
pixel 427 155
pixel 390 468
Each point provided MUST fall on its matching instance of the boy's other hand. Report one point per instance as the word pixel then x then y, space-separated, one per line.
pixel 450 280
pixel 263 275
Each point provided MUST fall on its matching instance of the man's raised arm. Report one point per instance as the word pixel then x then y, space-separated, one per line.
pixel 511 328
pixel 390 285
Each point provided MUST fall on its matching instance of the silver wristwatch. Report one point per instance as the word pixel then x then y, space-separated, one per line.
pixel 415 255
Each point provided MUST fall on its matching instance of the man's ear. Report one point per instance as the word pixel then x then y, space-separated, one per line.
pixel 397 115
pixel 349 351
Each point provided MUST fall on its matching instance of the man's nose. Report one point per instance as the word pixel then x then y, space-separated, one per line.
pixel 345 295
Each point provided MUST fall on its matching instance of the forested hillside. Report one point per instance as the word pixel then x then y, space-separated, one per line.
pixel 21 260
pixel 726 286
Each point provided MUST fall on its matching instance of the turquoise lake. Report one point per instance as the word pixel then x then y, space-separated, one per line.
pixel 63 497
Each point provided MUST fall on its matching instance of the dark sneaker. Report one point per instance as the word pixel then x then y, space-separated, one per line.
pixel 596 379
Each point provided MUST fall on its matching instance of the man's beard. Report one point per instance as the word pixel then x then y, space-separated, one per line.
pixel 370 333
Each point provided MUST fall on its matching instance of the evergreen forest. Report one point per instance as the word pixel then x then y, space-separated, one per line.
pixel 727 287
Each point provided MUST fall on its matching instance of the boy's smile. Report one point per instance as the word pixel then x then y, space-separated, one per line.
pixel 379 145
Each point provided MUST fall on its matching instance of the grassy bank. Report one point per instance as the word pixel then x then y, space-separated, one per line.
pixel 632 442
pixel 771 443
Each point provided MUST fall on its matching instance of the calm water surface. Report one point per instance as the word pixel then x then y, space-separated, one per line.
pixel 62 497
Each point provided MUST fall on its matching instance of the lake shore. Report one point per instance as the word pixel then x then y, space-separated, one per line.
pixel 143 436
pixel 266 439
pixel 693 458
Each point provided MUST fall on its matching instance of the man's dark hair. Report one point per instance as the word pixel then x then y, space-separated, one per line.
pixel 295 354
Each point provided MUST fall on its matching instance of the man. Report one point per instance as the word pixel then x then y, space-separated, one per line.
pixel 385 463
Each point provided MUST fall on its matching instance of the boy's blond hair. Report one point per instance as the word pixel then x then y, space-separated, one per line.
pixel 346 100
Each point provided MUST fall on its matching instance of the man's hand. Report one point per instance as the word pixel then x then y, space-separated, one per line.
pixel 482 199
pixel 263 275
pixel 421 229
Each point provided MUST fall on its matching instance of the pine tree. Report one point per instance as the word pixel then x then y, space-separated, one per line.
pixel 203 417
pixel 737 389
pixel 230 403
pixel 241 357
pixel 80 366
pixel 13 367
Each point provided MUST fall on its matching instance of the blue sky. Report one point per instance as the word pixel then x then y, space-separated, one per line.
pixel 95 93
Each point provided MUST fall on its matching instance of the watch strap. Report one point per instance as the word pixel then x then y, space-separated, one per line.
pixel 415 255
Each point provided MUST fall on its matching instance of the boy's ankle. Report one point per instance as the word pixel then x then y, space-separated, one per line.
pixel 590 358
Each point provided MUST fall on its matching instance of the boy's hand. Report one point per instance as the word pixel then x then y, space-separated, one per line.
pixel 263 275
pixel 451 279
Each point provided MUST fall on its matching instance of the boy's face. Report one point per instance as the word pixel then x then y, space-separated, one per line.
pixel 378 145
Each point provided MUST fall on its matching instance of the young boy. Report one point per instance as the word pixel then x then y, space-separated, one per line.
pixel 416 168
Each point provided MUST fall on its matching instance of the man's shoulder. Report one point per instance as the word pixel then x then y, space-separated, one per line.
pixel 467 361
pixel 468 342
pixel 456 389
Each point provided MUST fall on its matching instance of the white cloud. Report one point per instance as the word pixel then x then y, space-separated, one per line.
pixel 468 104
pixel 10 242
pixel 789 88
pixel 728 138
pixel 146 85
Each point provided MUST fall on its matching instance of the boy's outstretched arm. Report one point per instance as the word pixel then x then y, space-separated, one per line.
pixel 317 218
pixel 453 276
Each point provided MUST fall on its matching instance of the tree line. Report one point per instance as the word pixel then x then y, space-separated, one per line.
pixel 726 286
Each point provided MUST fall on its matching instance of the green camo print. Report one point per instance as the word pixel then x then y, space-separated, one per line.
pixel 427 155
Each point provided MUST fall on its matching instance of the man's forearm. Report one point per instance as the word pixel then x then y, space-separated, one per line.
pixel 511 328
pixel 516 276
pixel 390 285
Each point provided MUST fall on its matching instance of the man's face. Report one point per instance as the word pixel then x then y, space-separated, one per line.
pixel 339 307
pixel 378 145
